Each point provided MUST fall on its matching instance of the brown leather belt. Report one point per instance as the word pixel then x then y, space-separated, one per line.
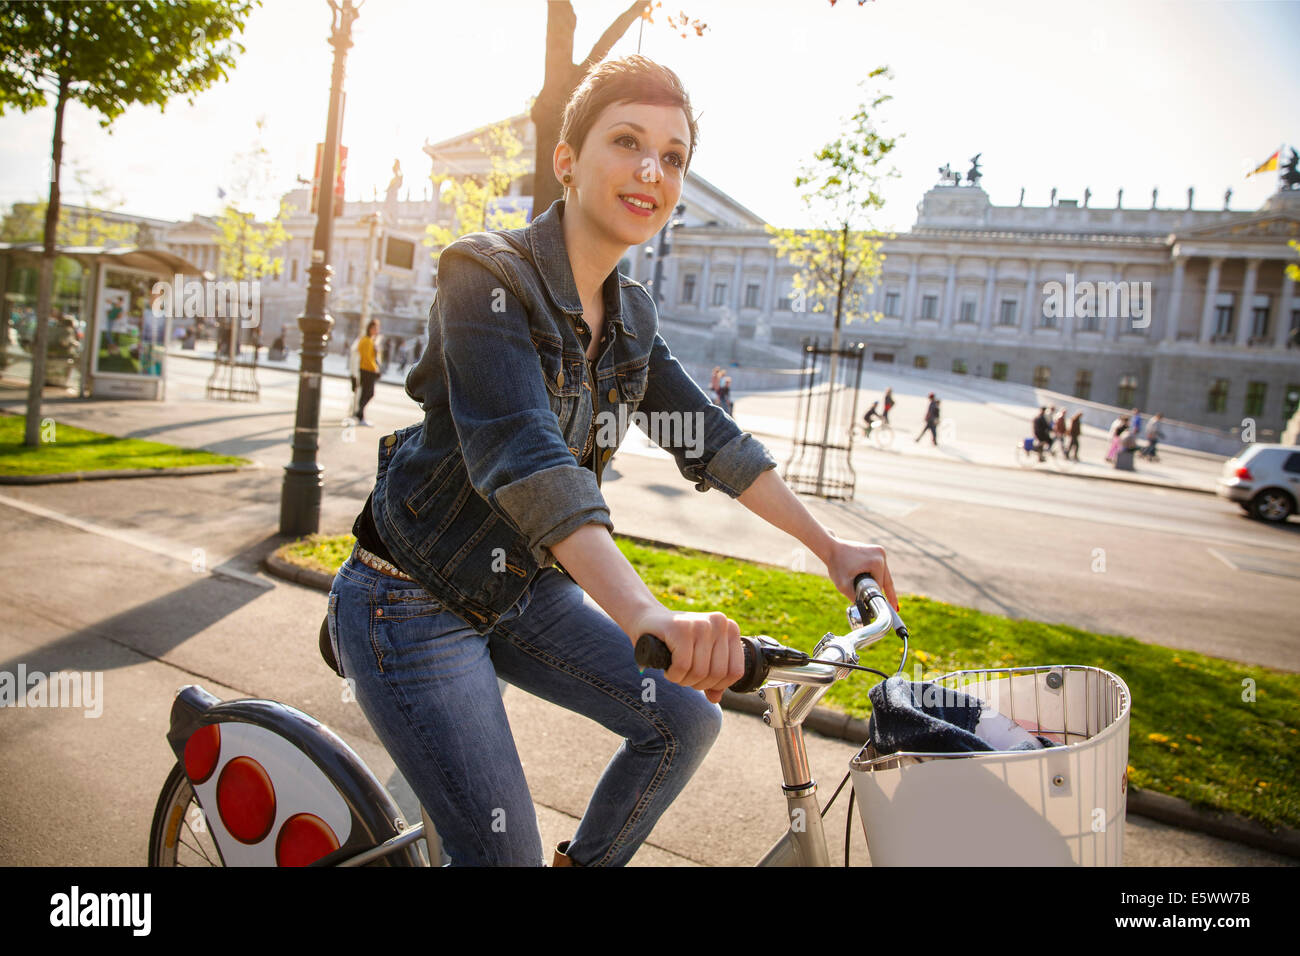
pixel 379 564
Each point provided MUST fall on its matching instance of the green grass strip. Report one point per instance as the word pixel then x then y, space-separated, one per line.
pixel 1218 733
pixel 64 448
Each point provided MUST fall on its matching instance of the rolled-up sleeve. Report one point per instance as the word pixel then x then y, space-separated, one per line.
pixel 726 458
pixel 514 451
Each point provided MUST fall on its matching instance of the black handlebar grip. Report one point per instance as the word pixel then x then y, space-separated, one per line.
pixel 864 589
pixel 653 653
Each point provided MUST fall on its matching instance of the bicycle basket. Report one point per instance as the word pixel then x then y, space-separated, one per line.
pixel 1059 806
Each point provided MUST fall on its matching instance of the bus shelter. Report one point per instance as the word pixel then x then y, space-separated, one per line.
pixel 105 338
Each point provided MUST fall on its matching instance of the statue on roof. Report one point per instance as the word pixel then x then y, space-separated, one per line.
pixel 1290 177
pixel 973 174
pixel 947 177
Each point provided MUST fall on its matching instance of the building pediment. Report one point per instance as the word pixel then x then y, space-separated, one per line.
pixel 1266 226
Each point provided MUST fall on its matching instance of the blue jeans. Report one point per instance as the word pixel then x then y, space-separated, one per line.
pixel 427 682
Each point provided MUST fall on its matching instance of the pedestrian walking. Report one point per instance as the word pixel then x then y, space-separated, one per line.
pixel 888 403
pixel 1076 432
pixel 931 421
pixel 1153 437
pixel 369 364
pixel 1117 429
pixel 1042 432
pixel 1059 430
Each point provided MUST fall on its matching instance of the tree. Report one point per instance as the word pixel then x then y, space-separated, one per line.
pixel 838 260
pixel 474 198
pixel 246 245
pixel 562 77
pixel 108 56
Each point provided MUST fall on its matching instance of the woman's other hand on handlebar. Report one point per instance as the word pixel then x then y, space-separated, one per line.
pixel 848 559
pixel 707 652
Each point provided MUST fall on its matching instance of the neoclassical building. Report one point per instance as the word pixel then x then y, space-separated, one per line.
pixel 1181 310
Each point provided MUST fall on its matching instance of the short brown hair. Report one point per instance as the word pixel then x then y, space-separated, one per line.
pixel 633 79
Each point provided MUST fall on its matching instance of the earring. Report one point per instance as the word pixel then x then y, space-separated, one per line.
pixel 567 179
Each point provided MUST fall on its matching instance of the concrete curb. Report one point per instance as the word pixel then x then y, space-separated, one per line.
pixel 182 472
pixel 841 726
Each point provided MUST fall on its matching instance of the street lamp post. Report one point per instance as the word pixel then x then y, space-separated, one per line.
pixel 300 494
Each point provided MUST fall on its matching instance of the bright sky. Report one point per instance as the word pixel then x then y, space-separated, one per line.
pixel 1105 94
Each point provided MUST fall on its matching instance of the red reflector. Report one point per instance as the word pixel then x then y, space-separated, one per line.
pixel 246 800
pixel 1244 474
pixel 201 752
pixel 304 839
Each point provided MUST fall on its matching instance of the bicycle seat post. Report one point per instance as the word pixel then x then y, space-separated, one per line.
pixel 804 844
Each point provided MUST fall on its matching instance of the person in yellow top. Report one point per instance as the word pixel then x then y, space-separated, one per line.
pixel 369 369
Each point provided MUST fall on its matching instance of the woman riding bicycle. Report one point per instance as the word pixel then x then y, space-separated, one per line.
pixel 536 343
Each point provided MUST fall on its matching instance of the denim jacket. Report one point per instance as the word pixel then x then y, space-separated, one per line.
pixel 470 500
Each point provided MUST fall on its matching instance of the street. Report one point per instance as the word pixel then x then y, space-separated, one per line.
pixel 156 582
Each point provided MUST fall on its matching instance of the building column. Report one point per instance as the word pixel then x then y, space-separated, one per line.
pixel 950 296
pixel 1031 298
pixel 1207 307
pixel 768 300
pixel 1247 311
pixel 1175 300
pixel 1111 330
pixel 704 279
pixel 1284 318
pixel 909 297
pixel 737 275
pixel 990 291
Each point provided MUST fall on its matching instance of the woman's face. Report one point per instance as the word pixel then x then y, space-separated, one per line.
pixel 629 177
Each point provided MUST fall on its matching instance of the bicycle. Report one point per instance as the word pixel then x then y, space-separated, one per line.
pixel 1029 452
pixel 881 433
pixel 260 783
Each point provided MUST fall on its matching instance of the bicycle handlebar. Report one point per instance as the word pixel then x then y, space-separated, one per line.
pixel 763 659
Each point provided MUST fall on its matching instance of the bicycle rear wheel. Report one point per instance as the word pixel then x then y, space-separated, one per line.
pixel 180 835
pixel 884 436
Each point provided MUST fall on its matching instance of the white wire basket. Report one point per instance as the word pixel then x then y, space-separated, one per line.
pixel 1059 806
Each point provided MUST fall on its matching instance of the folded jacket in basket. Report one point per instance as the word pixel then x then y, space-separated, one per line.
pixel 923 717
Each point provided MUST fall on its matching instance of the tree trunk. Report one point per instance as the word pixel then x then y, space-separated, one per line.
pixel 561 79
pixel 45 292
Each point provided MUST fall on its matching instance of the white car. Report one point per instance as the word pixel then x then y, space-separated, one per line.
pixel 1264 480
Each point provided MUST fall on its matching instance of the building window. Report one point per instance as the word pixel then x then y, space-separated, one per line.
pixel 923 361
pixel 959 366
pixel 999 371
pixel 968 310
pixel 719 293
pixel 1290 402
pixel 891 304
pixel 1259 324
pixel 783 304
pixel 1294 337
pixel 1042 376
pixel 1047 321
pixel 1127 391
pixel 751 296
pixel 1090 322
pixel 1222 321
pixel 1255 392
pixel 929 306
pixel 1082 383
pixel 1007 315
pixel 887 357
pixel 293 270
pixel 688 290
pixel 1218 398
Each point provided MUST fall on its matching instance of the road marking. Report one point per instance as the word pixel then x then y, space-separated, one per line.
pixel 155 545
pixel 1222 558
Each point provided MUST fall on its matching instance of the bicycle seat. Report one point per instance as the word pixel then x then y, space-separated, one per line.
pixel 327 649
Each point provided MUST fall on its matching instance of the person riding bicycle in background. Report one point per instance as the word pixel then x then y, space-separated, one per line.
pixel 485 547
pixel 1042 432
pixel 870 418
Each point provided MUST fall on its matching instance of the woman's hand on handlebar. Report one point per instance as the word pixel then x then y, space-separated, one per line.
pixel 848 559
pixel 707 653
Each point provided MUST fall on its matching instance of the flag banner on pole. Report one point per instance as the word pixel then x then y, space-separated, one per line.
pixel 1266 165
